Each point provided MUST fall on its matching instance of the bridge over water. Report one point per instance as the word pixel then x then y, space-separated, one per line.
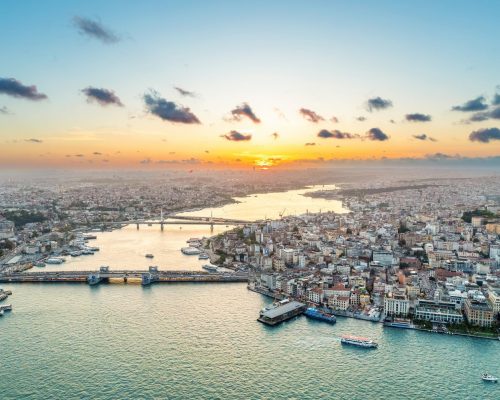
pixel 105 275
pixel 183 220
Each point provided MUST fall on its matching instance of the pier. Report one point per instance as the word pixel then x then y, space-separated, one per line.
pixel 104 274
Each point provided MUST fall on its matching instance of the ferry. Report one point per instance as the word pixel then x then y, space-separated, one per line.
pixel 358 341
pixel 489 378
pixel 190 251
pixel 210 268
pixel 149 255
pixel 399 323
pixel 314 313
pixel 54 260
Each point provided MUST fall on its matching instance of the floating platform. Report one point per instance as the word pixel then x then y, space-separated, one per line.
pixel 282 313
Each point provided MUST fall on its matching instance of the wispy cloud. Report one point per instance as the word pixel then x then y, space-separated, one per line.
pixel 424 137
pixel 275 135
pixel 14 88
pixel 336 134
pixel 244 110
pixel 485 135
pixel 477 104
pixel 184 92
pixel 376 134
pixel 33 140
pixel 361 118
pixel 484 115
pixel 168 110
pixel 102 96
pixel 417 117
pixel 378 103
pixel 310 144
pixel 95 29
pixel 310 115
pixel 236 136
pixel 4 110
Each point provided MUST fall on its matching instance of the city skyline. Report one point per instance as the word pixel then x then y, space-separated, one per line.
pixel 127 85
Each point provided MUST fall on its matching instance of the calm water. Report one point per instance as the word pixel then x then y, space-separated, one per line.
pixel 202 341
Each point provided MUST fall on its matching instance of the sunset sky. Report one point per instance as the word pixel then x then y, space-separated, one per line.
pixel 159 84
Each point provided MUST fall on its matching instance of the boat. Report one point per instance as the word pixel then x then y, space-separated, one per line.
pixel 399 323
pixel 94 248
pixel 314 313
pixel 209 268
pixel 489 378
pixel 203 256
pixel 40 265
pixel 280 312
pixel 190 251
pixel 54 260
pixel 358 341
pixel 75 253
pixel 149 255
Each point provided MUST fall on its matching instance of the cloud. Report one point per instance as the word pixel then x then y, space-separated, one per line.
pixel 485 135
pixel 236 136
pixel 275 135
pixel 423 136
pixel 4 110
pixel 33 140
pixel 145 161
pixel 496 99
pixel 184 92
pixel 279 113
pixel 335 134
pixel 102 96
pixel 484 115
pixel 477 104
pixel 14 88
pixel 377 135
pixel 378 103
pixel 96 153
pixel 440 156
pixel 310 115
pixel 79 155
pixel 244 110
pixel 334 119
pixel 95 30
pixel 168 110
pixel 417 117
pixel 361 119
pixel 310 144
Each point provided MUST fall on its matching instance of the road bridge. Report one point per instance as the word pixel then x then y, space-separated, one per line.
pixel 104 274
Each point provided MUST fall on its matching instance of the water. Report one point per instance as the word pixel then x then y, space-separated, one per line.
pixel 202 341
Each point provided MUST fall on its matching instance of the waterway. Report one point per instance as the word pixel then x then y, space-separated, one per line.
pixel 202 341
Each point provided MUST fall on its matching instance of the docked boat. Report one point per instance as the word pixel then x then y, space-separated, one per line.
pixel 489 378
pixel 316 314
pixel 190 251
pixel 75 253
pixel 358 341
pixel 209 268
pixel 149 255
pixel 399 323
pixel 54 260
pixel 203 256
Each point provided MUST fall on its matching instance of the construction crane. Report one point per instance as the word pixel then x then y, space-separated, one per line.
pixel 282 212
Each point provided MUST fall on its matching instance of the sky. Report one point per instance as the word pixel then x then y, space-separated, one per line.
pixel 163 84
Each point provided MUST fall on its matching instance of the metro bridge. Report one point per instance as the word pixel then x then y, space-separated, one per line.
pixel 104 274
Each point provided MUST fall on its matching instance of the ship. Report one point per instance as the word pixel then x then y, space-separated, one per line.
pixel 149 255
pixel 190 251
pixel 203 256
pixel 314 313
pixel 210 268
pixel 54 260
pixel 399 323
pixel 358 341
pixel 280 312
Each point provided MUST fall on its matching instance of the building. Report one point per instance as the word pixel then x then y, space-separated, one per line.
pixel 396 304
pixel 479 313
pixel 6 229
pixel 383 257
pixel 443 312
pixel 339 302
pixel 494 299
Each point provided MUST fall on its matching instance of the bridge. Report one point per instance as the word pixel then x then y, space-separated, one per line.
pixel 183 220
pixel 104 274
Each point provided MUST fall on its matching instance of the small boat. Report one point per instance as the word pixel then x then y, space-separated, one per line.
pixel 203 256
pixel 210 268
pixel 149 255
pixel 358 341
pixel 190 251
pixel 489 378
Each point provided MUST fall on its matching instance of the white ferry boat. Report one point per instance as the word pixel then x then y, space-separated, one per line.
pixel 54 260
pixel 190 251
pixel 210 268
pixel 358 341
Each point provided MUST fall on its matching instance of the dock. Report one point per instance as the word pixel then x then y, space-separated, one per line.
pixel 104 274
pixel 277 315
